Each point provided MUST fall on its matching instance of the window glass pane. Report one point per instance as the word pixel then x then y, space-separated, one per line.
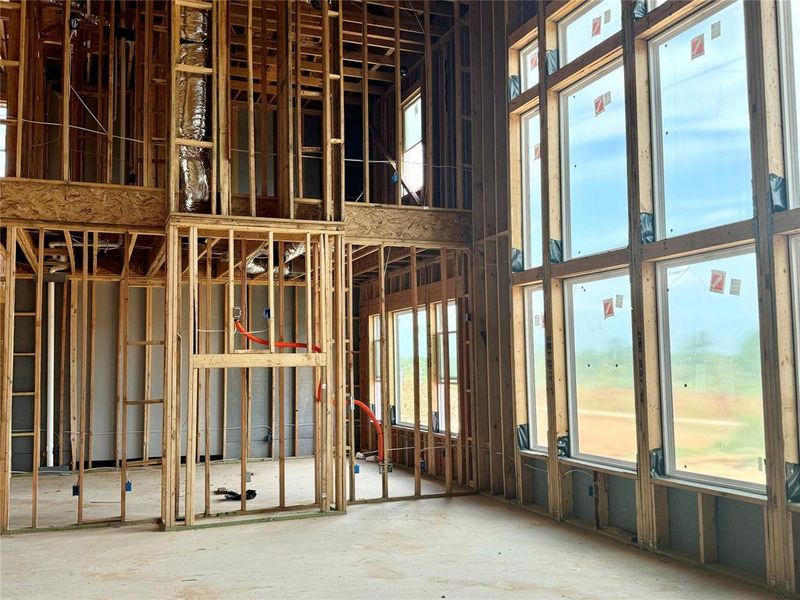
pixel 535 362
pixel 532 189
pixel 713 367
pixel 594 165
pixel 790 74
pixel 602 422
pixel 701 120
pixel 375 335
pixel 529 66
pixel 412 123
pixel 404 364
pixel 795 266
pixel 452 341
pixel 413 168
pixel 590 26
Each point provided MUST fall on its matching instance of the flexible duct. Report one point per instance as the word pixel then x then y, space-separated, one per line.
pixel 192 106
pixel 259 263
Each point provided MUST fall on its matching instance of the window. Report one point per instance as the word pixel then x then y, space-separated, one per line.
pixel 375 364
pixel 711 368
pixel 600 357
pixel 795 266
pixel 587 27
pixel 529 65
pixel 788 12
pixel 535 367
pixel 452 349
pixel 404 365
pixel 532 190
pixel 3 116
pixel 413 153
pixel 593 164
pixel 701 131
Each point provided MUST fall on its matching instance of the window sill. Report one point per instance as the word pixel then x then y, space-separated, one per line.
pixel 714 490
pixel 533 453
pixel 628 473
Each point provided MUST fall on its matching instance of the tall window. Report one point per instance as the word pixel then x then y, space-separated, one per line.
pixel 536 367
pixel 588 26
pixel 711 368
pixel 375 364
pixel 452 383
pixel 532 189
pixel 600 353
pixel 413 152
pixel 701 124
pixel 789 13
pixel 404 364
pixel 795 263
pixel 529 65
pixel 3 130
pixel 594 167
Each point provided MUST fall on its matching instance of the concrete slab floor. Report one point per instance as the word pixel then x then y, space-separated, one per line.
pixel 58 507
pixel 465 547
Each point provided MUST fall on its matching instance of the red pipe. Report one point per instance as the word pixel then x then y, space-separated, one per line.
pixel 314 348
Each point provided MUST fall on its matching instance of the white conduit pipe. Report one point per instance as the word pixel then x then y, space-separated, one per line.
pixel 51 364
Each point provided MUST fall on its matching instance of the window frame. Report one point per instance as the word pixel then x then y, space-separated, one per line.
pixel 529 252
pixel 523 79
pixel 656 126
pixel 530 381
pixel 789 106
pixel 572 399
pixel 562 25
pixel 375 375
pixel 454 379
pixel 665 373
pixel 794 265
pixel 563 127
pixel 398 412
pixel 413 96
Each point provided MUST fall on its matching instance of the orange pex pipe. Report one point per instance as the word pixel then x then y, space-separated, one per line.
pixel 314 348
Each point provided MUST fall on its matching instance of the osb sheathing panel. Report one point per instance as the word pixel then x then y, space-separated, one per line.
pixel 59 202
pixel 376 223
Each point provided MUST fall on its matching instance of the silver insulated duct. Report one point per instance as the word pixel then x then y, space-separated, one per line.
pixel 192 105
pixel 259 263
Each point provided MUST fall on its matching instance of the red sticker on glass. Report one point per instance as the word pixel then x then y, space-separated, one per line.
pixel 608 308
pixel 537 152
pixel 717 283
pixel 599 105
pixel 534 61
pixel 597 24
pixel 698 46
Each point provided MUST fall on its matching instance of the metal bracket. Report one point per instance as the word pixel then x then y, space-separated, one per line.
pixel 556 252
pixel 237 313
pixel 647 231
pixel 551 57
pixel 384 465
pixel 523 436
pixel 513 87
pixel 562 446
pixel 777 193
pixel 793 482
pixel 517 261
pixel 657 463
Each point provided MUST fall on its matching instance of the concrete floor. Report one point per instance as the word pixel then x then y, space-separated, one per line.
pixel 465 547
pixel 58 507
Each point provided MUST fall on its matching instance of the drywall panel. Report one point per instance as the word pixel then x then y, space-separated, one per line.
pixel 583 495
pixel 683 521
pixel 740 536
pixel 622 503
